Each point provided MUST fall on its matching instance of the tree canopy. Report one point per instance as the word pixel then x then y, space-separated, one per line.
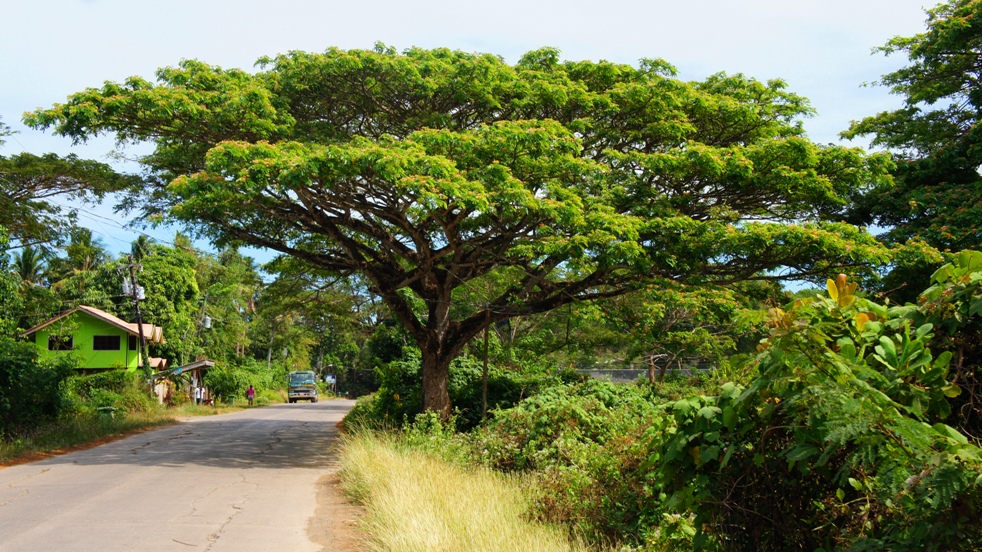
pixel 935 136
pixel 29 182
pixel 426 170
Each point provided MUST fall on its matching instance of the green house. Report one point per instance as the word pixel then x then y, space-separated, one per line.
pixel 101 340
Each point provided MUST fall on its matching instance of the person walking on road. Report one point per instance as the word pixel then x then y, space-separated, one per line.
pixel 250 394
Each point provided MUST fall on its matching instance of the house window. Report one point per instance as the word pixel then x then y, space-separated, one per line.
pixel 105 342
pixel 132 342
pixel 60 342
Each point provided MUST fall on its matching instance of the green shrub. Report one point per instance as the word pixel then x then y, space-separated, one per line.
pixel 116 389
pixel 399 397
pixel 82 386
pixel 840 442
pixel 226 383
pixel 583 444
pixel 31 389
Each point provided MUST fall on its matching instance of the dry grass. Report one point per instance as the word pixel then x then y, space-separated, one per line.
pixel 418 503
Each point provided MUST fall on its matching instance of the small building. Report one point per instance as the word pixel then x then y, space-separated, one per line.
pixel 165 386
pixel 102 341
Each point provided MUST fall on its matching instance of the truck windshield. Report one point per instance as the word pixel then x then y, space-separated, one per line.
pixel 302 378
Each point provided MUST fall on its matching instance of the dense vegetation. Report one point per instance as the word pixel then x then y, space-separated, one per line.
pixel 459 234
pixel 848 430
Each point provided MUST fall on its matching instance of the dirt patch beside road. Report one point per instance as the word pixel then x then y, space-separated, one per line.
pixel 334 525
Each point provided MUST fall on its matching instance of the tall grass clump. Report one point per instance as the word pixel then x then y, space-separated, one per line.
pixel 417 502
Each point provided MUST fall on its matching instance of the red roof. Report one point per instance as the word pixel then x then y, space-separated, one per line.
pixel 152 333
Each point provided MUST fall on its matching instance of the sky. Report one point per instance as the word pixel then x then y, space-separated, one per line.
pixel 821 48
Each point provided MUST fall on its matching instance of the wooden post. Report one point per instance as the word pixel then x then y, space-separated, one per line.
pixel 484 387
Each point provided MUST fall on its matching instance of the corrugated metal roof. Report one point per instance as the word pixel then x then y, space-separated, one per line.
pixel 151 332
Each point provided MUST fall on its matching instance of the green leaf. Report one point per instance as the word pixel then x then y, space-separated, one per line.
pixel 943 274
pixel 970 260
pixel 709 412
pixel 729 417
pixel 847 348
pixel 855 484
pixel 801 452
pixel 888 351
pixel 840 494
pixel 951 391
pixel 879 310
pixel 730 390
pixel 951 433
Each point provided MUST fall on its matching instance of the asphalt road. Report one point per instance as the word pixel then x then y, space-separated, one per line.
pixel 244 481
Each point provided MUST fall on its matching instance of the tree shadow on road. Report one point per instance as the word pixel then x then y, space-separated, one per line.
pixel 280 436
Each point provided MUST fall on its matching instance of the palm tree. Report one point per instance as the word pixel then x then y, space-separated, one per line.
pixel 140 248
pixel 29 265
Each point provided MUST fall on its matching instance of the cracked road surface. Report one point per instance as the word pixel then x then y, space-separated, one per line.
pixel 245 481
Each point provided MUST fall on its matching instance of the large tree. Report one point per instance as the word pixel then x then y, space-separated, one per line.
pixel 426 170
pixel 30 183
pixel 935 136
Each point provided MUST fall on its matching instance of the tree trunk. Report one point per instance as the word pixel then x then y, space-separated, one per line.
pixel 436 383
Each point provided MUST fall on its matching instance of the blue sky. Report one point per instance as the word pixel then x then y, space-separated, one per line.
pixel 822 48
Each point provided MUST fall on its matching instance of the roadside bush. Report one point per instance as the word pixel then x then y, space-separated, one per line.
pixel 82 386
pixel 118 389
pixel 399 398
pixel 253 372
pixel 839 443
pixel 226 383
pixel 583 444
pixel 844 439
pixel 839 434
pixel 31 389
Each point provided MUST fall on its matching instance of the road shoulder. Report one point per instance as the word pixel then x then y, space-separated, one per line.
pixel 335 523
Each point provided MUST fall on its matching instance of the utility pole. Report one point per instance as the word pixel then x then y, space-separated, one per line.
pixel 484 375
pixel 137 294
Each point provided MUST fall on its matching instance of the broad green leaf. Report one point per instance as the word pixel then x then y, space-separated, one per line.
pixel 888 350
pixel 730 390
pixel 951 433
pixel 951 391
pixel 729 417
pixel 943 274
pixel 847 348
pixel 879 310
pixel 709 412
pixel 975 306
pixel 970 260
